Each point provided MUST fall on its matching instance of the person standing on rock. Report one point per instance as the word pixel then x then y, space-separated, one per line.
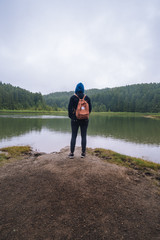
pixel 79 109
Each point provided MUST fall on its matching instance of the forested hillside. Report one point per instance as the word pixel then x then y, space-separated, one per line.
pixel 18 98
pixel 132 98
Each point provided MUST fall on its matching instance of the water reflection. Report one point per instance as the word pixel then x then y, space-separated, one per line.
pixel 139 130
pixel 135 129
pixel 14 126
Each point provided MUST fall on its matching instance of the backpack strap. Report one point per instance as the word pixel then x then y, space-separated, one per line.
pixel 76 95
pixel 80 98
pixel 84 97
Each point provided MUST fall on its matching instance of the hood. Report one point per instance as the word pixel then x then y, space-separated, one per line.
pixel 79 88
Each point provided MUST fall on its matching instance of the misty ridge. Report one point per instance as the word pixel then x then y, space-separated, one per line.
pixel 132 98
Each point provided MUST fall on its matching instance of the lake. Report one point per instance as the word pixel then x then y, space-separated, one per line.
pixel 134 136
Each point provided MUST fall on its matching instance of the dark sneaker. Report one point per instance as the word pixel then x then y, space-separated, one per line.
pixel 71 155
pixel 83 155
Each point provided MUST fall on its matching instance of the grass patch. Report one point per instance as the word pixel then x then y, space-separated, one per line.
pixel 16 150
pixel 3 157
pixel 13 153
pixel 3 111
pixel 123 160
pixel 119 114
pixel 153 116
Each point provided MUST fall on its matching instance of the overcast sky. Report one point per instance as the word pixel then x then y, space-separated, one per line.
pixel 51 45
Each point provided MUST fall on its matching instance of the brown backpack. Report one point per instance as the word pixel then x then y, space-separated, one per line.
pixel 82 111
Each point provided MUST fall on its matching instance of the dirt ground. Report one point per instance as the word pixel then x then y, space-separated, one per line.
pixel 53 197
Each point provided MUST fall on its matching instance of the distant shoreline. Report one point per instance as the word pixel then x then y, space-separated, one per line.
pixel 122 114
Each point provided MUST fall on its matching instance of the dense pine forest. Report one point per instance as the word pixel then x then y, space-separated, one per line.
pixel 132 98
pixel 15 98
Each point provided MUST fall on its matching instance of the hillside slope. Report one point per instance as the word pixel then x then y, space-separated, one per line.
pixel 17 98
pixel 132 98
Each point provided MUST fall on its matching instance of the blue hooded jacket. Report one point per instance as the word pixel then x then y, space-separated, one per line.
pixel 79 88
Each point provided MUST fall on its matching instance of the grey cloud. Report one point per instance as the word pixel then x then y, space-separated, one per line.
pixel 51 45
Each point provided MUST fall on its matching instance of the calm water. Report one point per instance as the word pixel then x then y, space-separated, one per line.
pixel 139 137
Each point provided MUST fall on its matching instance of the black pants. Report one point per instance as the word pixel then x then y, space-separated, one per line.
pixel 75 124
